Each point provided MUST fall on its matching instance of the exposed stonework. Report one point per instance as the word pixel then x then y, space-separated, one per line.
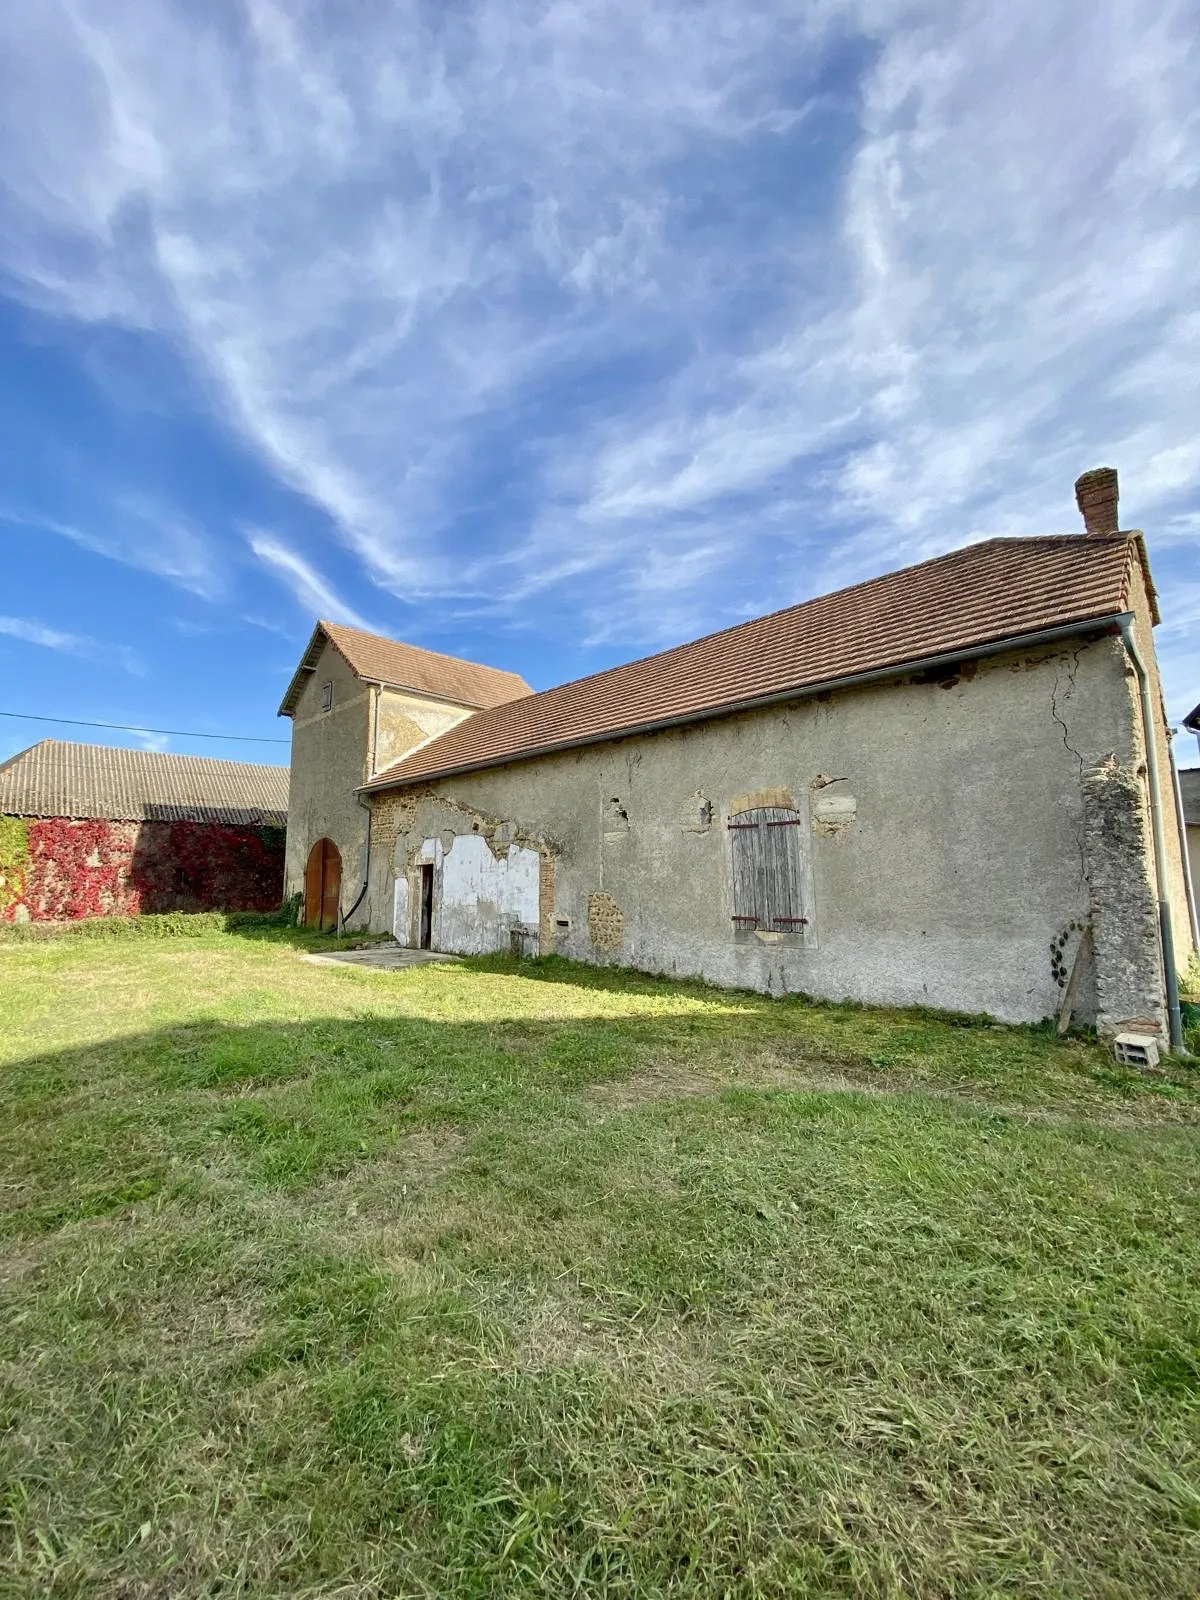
pixel 546 920
pixel 781 797
pixel 1123 907
pixel 606 922
pixel 492 876
pixel 392 815
pixel 833 814
pixel 697 814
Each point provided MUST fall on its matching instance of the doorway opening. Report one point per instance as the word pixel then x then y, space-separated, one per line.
pixel 323 885
pixel 425 932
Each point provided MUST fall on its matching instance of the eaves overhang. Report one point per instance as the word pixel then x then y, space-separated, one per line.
pixel 1097 625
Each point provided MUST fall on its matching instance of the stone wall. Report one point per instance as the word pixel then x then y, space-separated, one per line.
pixel 330 758
pixel 366 729
pixel 1123 903
pixel 95 868
pixel 948 844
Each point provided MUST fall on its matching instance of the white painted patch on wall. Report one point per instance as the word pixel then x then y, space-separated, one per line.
pixel 480 898
pixel 400 926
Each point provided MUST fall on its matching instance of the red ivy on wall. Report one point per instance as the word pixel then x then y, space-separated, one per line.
pixel 98 869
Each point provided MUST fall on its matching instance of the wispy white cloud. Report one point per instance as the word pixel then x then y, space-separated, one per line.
pixel 141 532
pixel 71 644
pixel 47 638
pixel 744 302
pixel 304 582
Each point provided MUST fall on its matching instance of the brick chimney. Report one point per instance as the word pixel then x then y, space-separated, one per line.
pixel 1096 497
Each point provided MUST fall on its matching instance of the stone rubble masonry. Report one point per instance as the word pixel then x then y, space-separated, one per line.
pixel 1124 910
pixel 547 929
pixel 606 922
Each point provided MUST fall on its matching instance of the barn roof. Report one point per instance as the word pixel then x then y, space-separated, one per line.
pixel 405 666
pixel 57 779
pixel 978 596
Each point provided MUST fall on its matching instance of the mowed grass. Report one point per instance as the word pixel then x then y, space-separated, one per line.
pixel 498 1279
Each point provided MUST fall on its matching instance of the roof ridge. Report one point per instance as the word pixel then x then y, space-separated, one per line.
pixel 830 594
pixel 168 755
pixel 375 658
pixel 441 655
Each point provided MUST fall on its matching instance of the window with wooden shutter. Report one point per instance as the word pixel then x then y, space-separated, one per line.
pixel 770 876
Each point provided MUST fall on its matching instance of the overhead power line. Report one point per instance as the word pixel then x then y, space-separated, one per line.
pixel 127 727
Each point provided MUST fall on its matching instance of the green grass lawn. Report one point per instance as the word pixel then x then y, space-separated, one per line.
pixel 505 1280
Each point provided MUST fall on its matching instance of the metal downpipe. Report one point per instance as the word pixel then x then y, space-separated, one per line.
pixel 344 917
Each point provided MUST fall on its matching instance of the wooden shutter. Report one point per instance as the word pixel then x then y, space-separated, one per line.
pixel 768 870
pixel 749 871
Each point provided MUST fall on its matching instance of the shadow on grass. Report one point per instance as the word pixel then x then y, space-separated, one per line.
pixel 411 1286
pixel 93 1129
pixel 177 927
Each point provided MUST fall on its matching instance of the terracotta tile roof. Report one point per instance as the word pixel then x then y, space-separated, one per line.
pixel 982 594
pixel 54 779
pixel 406 666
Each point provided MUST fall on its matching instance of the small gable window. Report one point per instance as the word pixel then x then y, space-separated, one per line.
pixel 770 873
pixel 327 696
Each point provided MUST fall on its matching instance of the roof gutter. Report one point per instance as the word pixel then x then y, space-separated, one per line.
pixel 1125 624
pixel 1103 624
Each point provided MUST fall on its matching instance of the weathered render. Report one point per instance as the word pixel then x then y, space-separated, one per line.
pixel 348 727
pixel 331 756
pixel 931 789
pixel 945 838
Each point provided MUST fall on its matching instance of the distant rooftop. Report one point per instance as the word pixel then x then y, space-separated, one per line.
pixel 57 779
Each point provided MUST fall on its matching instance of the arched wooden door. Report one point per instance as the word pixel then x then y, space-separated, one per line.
pixel 323 885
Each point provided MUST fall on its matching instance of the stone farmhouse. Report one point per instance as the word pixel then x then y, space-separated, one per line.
pixel 87 830
pixel 949 786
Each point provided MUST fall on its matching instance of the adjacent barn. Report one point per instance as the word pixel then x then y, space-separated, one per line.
pixel 87 830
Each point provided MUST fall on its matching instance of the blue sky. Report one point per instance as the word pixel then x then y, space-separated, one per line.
pixel 550 334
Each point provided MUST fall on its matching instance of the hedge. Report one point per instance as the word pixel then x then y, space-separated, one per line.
pixel 153 925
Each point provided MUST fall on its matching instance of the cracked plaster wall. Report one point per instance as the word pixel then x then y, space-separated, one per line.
pixel 491 878
pixel 945 874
